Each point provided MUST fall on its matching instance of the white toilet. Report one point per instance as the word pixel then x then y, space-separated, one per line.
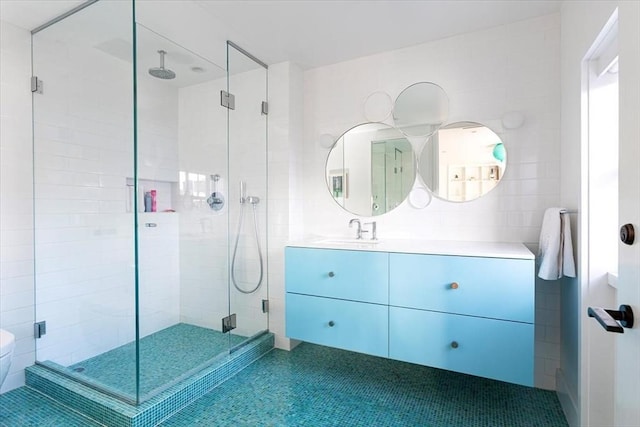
pixel 7 343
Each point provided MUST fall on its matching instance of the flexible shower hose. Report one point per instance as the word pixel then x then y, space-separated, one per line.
pixel 235 250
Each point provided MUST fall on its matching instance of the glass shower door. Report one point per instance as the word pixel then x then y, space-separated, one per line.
pixel 182 212
pixel 248 284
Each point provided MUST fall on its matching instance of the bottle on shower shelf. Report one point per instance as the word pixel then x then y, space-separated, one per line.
pixel 147 201
pixel 154 206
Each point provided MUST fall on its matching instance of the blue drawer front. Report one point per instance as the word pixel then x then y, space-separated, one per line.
pixel 356 326
pixel 496 349
pixel 487 287
pixel 351 275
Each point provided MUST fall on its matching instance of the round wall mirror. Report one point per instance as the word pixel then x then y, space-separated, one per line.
pixel 370 169
pixel 421 109
pixel 462 161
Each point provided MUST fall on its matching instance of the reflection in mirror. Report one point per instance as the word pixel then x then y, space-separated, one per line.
pixel 421 109
pixel 370 169
pixel 462 161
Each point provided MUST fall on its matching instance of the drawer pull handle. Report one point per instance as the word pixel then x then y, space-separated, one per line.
pixel 454 285
pixel 331 323
pixel 454 344
pixel 331 274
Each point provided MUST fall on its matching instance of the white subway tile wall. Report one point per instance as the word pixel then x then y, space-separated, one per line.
pixel 486 74
pixel 16 202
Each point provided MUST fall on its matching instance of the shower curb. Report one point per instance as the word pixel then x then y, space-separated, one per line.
pixel 112 412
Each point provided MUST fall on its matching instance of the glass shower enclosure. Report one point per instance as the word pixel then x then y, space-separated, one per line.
pixel 150 202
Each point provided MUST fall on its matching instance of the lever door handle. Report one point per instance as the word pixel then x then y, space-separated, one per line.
pixel 609 318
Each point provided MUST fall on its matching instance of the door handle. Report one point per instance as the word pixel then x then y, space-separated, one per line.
pixel 609 318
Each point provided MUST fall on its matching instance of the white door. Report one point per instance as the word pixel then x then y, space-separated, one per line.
pixel 627 376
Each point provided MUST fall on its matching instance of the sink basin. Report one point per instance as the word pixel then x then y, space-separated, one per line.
pixel 347 241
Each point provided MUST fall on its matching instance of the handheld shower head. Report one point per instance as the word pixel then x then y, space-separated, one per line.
pixel 161 72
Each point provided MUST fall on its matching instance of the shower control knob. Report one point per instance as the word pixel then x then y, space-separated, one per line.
pixel 454 344
pixel 331 274
pixel 331 323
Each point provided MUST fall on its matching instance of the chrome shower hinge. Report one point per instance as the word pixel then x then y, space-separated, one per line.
pixel 228 323
pixel 227 100
pixel 39 329
pixel 265 305
pixel 37 85
pixel 265 108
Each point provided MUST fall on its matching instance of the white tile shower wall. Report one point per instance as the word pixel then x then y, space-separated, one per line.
pixel 202 135
pixel 486 74
pixel 83 230
pixel 16 199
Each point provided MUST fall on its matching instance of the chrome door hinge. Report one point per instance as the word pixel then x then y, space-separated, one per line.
pixel 265 305
pixel 36 84
pixel 228 323
pixel 227 100
pixel 39 329
pixel 265 108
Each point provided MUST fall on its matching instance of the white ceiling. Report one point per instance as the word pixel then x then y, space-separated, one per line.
pixel 313 33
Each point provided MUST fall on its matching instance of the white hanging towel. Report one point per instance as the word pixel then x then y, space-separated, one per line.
pixel 556 248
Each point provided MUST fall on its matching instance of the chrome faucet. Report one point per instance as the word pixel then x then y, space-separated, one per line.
pixel 357 221
pixel 373 229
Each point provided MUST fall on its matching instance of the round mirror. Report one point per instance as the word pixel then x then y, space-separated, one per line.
pixel 462 161
pixel 421 109
pixel 370 169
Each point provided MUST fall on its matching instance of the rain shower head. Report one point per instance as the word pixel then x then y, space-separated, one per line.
pixel 161 72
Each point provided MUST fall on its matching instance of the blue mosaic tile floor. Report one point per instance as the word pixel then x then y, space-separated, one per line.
pixel 319 386
pixel 164 356
pixel 27 407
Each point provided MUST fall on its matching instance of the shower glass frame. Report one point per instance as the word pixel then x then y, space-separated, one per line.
pixel 114 315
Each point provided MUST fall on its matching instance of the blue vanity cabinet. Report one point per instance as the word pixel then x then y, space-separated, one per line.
pixel 471 314
pixel 496 288
pixel 338 298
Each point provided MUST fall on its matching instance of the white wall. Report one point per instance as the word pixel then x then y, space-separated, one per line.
pixel 285 183
pixel 486 74
pixel 581 23
pixel 16 202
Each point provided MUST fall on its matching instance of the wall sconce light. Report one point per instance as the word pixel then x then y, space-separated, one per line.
pixel 326 140
pixel 512 120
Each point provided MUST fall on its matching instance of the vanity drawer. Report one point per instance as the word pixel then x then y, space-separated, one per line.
pixel 350 275
pixel 496 349
pixel 342 324
pixel 496 288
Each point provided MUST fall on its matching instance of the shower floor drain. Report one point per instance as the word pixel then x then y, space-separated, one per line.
pixel 78 369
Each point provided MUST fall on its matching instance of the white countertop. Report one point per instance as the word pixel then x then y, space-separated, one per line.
pixel 431 247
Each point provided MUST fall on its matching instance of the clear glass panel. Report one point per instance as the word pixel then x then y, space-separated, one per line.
pixel 248 195
pixel 182 211
pixel 84 233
